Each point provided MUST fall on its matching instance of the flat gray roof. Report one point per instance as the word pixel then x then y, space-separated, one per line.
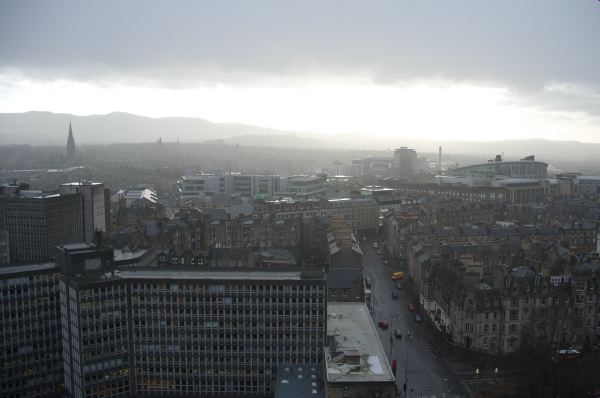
pixel 351 328
pixel 187 274
pixel 16 269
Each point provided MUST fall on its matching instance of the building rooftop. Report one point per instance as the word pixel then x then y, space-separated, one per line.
pixel 299 381
pixel 208 274
pixel 354 353
pixel 17 269
pixel 81 183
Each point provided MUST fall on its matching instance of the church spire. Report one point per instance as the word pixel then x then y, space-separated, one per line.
pixel 70 144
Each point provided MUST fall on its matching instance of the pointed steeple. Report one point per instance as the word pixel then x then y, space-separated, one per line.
pixel 70 144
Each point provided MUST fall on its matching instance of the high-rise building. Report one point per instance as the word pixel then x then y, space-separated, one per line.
pixel 96 206
pixel 404 163
pixel 184 332
pixel 30 357
pixel 37 221
pixel 4 247
pixel 70 144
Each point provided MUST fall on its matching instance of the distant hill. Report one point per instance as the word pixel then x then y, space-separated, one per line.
pixel 46 128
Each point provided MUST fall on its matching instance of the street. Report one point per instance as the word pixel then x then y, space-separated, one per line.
pixel 418 364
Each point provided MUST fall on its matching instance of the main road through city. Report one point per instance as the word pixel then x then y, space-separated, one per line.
pixel 425 374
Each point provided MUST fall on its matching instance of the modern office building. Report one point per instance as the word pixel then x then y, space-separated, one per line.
pixel 588 184
pixel 4 247
pixel 96 206
pixel 30 336
pixel 524 168
pixel 185 332
pixel 37 221
pixel 371 166
pixel 405 162
pixel 303 186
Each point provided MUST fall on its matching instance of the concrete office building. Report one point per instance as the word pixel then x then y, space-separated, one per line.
pixel 404 163
pixel 185 332
pixel 37 221
pixel 4 247
pixel 30 357
pixel 96 206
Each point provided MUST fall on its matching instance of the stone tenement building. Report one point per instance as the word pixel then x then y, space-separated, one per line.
pixel 344 263
pixel 467 194
pixel 579 238
pixel 361 213
pixel 500 308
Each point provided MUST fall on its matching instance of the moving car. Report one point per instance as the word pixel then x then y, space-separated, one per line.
pixel 394 295
pixel 418 317
pixel 385 261
pixel 375 245
pixel 383 324
pixel 398 275
pixel 398 333
pixel 412 307
pixel 399 286
pixel 368 282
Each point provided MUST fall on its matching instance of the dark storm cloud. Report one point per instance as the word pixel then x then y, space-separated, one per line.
pixel 521 44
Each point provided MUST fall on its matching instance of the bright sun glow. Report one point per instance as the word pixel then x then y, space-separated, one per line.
pixel 435 110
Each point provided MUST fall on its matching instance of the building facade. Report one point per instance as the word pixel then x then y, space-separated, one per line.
pixel 95 204
pixel 36 222
pixel 405 163
pixel 31 362
pixel 210 332
pixel 524 168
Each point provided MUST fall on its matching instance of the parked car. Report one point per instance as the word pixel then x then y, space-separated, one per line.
pixel 394 295
pixel 412 307
pixel 399 286
pixel 375 245
pixel 386 261
pixel 368 282
pixel 383 324
pixel 398 333
pixel 418 317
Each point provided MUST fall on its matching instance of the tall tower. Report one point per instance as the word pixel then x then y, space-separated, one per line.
pixel 70 144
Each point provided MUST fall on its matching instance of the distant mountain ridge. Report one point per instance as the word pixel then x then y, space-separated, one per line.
pixel 47 128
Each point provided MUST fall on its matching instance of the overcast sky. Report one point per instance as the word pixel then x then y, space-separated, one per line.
pixel 475 69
